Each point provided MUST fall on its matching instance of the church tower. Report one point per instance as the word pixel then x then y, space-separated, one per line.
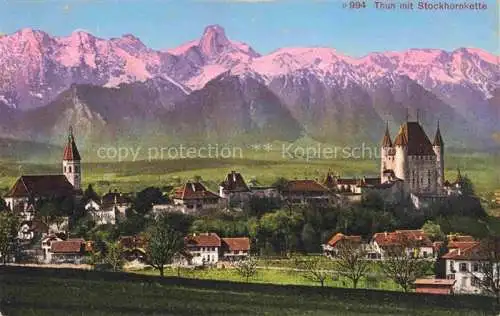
pixel 71 162
pixel 438 147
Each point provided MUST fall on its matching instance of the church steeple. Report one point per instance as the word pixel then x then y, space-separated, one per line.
pixel 71 161
pixel 438 140
pixel 386 141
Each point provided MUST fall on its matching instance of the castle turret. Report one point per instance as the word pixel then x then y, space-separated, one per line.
pixel 386 162
pixel 71 162
pixel 438 147
pixel 401 154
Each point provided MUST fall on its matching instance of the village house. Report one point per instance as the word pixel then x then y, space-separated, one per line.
pixel 464 263
pixel 415 242
pixel 194 197
pixel 235 190
pixel 434 286
pixel 306 192
pixel 68 251
pixel 331 248
pixel 235 249
pixel 134 248
pixel 203 249
pixel 109 208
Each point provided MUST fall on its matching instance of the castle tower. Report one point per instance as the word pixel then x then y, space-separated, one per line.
pixel 386 154
pixel 401 154
pixel 438 147
pixel 71 162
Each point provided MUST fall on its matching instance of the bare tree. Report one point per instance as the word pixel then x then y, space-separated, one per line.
pixel 114 256
pixel 402 265
pixel 487 274
pixel 312 270
pixel 247 268
pixel 350 261
pixel 9 226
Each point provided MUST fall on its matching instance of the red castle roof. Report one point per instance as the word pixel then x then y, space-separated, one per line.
pixel 71 151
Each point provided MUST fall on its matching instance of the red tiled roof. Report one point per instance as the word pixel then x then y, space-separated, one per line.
pixel 465 251
pixel 444 282
pixel 68 246
pixel 71 151
pixel 131 242
pixel 304 186
pixel 395 238
pixel 234 182
pixel 194 190
pixel 413 136
pixel 237 243
pixel 339 237
pixel 204 240
pixel 460 238
pixel 41 185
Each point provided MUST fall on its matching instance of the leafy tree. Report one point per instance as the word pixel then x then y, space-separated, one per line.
pixel 467 187
pixel 247 268
pixel 402 266
pixel 3 205
pixel 488 274
pixel 280 183
pixel 145 199
pixel 114 256
pixel 9 227
pixel 311 269
pixel 166 239
pixel 350 261
pixel 433 230
pixel 309 238
pixel 90 194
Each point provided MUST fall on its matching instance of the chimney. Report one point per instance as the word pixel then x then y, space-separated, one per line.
pixel 385 234
pixel 458 251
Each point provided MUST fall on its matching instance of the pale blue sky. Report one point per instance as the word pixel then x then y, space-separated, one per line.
pixel 266 26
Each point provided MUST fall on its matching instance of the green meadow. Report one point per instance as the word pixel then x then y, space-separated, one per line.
pixel 31 291
pixel 258 165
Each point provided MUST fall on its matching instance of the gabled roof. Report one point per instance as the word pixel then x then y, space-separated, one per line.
pixel 41 185
pixel 396 238
pixel 132 242
pixel 435 282
pixel 465 251
pixel 414 138
pixel 340 237
pixel 115 197
pixel 71 151
pixel 203 240
pixel 194 190
pixel 234 182
pixel 237 243
pixel 304 186
pixel 330 181
pixel 68 246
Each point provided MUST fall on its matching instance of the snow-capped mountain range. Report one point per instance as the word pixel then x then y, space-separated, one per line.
pixel 35 68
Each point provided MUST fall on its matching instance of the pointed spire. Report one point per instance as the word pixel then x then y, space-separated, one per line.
pixel 71 151
pixel 386 141
pixel 438 140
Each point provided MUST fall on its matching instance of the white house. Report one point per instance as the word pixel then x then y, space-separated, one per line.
pixel 330 249
pixel 235 190
pixel 418 242
pixel 203 248
pixel 112 206
pixel 235 249
pixel 465 263
pixel 194 197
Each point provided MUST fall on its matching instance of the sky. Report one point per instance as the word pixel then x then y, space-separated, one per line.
pixel 266 25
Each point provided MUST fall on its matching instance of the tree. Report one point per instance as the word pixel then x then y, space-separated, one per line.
pixel 311 269
pixel 114 256
pixel 403 266
pixel 145 199
pixel 466 186
pixel 247 268
pixel 487 275
pixel 90 194
pixel 433 230
pixel 9 227
pixel 350 261
pixel 166 239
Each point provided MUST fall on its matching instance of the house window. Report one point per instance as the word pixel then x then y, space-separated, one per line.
pixel 475 281
pixel 450 277
pixel 452 268
pixel 424 254
pixel 463 267
pixel 475 267
pixel 76 168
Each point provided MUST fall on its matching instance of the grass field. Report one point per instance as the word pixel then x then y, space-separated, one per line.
pixel 29 291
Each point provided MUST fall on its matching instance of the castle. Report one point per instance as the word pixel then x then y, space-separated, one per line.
pixel 413 159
